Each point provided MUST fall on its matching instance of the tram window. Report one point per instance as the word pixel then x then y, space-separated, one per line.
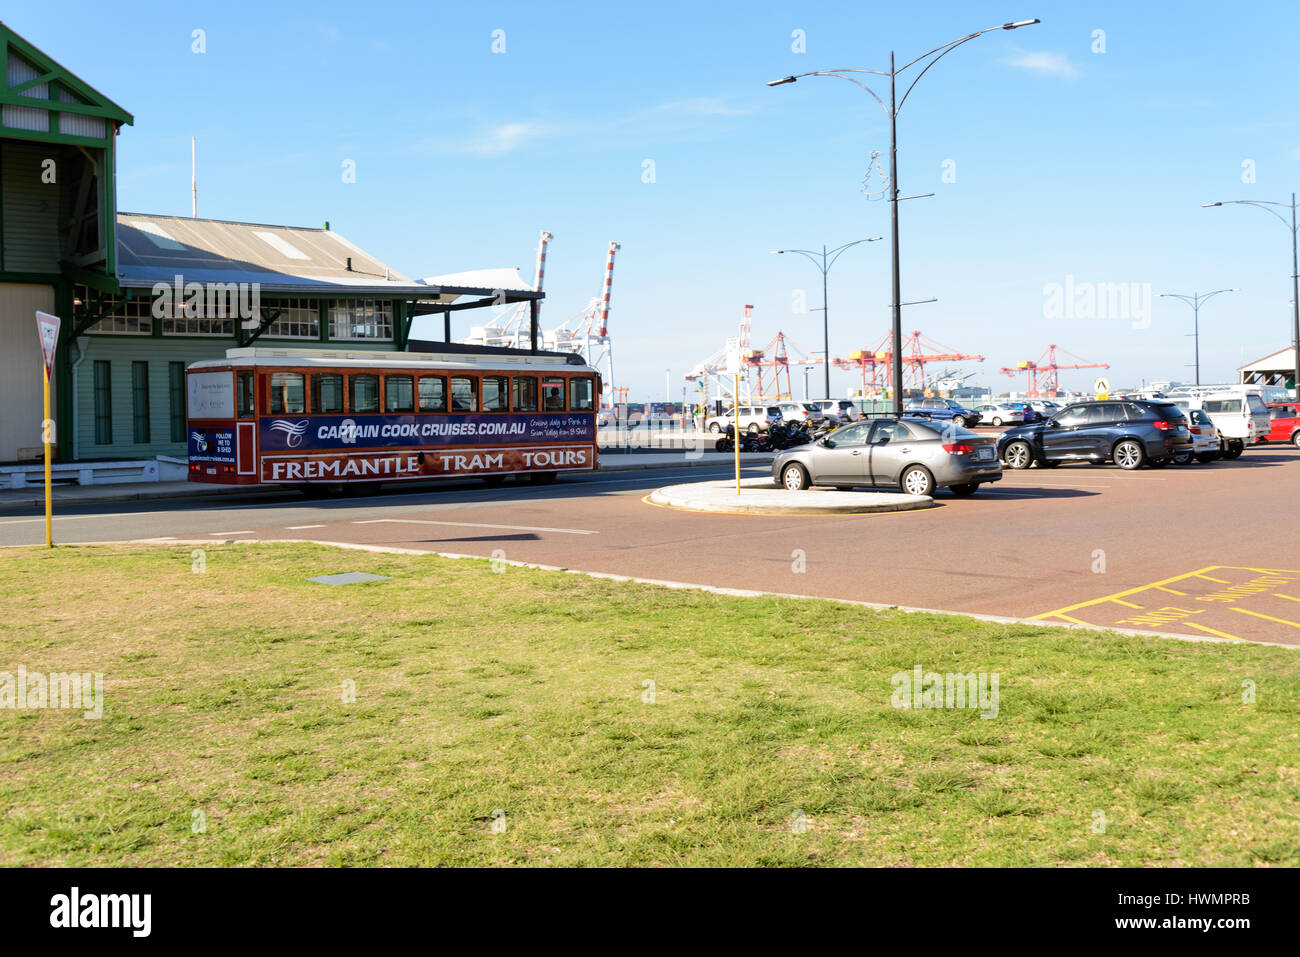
pixel 553 395
pixel 244 394
pixel 399 393
pixel 364 396
pixel 287 394
pixel 496 393
pixel 464 395
pixel 433 394
pixel 580 395
pixel 327 393
pixel 525 396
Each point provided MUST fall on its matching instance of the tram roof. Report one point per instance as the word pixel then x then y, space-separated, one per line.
pixel 321 358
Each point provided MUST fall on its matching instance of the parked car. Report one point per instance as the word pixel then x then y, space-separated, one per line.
pixel 753 418
pixel 1238 412
pixel 1002 413
pixel 949 410
pixel 838 410
pixel 911 454
pixel 1284 422
pixel 1206 445
pixel 1044 407
pixel 1129 433
pixel 792 411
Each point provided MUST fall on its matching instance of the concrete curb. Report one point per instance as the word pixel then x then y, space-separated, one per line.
pixel 761 496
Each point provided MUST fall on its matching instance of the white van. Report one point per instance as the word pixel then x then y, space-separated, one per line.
pixel 1238 412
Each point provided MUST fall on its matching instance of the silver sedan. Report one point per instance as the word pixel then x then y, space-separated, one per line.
pixel 909 454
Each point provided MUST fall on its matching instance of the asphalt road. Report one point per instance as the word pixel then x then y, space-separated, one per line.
pixel 1205 550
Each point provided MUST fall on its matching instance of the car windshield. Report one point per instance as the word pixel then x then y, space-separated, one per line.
pixel 1256 404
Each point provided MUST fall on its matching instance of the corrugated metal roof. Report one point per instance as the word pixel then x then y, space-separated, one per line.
pixel 288 259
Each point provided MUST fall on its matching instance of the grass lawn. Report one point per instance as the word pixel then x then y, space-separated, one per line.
pixel 522 690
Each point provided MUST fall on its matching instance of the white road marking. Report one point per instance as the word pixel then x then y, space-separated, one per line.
pixel 295 528
pixel 246 531
pixel 512 528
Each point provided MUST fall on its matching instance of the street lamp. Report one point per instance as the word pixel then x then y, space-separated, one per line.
pixel 825 266
pixel 892 112
pixel 1295 270
pixel 1195 300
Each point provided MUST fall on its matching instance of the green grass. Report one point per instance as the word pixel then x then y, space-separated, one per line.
pixel 522 690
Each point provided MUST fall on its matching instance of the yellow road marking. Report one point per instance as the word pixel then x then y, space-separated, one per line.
pixel 1287 597
pixel 1281 621
pixel 1221 581
pixel 1172 591
pixel 1128 603
pixel 1121 594
pixel 1221 634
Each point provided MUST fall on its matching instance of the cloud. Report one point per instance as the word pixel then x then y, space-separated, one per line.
pixel 501 139
pixel 1044 64
pixel 704 106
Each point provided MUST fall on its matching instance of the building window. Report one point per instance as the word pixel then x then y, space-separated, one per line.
pixel 298 319
pixel 525 398
pixel 496 393
pixel 361 319
pixel 140 402
pixel 399 393
pixel 327 392
pixel 287 395
pixel 103 403
pixel 433 394
pixel 176 396
pixel 365 393
pixel 133 317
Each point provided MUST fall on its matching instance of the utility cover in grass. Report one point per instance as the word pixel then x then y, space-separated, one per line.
pixel 349 578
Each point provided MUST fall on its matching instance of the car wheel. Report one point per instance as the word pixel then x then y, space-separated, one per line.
pixel 1018 455
pixel 794 478
pixel 1205 458
pixel 917 480
pixel 1295 440
pixel 1233 449
pixel 959 421
pixel 714 427
pixel 1129 455
pixel 964 491
pixel 1183 458
pixel 997 421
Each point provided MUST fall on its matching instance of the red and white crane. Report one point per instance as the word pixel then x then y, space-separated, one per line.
pixel 587 332
pixel 1041 378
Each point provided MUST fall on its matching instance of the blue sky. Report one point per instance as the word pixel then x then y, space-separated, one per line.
pixel 1067 162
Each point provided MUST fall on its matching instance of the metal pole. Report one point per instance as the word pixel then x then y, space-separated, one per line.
pixel 1196 333
pixel 893 226
pixel 826 325
pixel 1295 300
pixel 49 492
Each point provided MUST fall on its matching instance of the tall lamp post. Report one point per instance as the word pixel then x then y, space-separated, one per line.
pixel 825 266
pixel 891 110
pixel 1195 300
pixel 1266 206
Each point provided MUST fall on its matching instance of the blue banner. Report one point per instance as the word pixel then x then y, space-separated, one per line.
pixel 319 432
pixel 212 445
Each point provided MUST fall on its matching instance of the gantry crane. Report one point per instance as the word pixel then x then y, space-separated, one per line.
pixel 876 364
pixel 1041 377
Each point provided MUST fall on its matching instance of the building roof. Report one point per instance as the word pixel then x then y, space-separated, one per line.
pixel 1281 361
pixel 281 259
pixel 36 86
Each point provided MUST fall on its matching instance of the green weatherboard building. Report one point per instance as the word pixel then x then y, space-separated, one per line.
pixel 141 296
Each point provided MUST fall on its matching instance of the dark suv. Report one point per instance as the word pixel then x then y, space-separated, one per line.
pixel 944 410
pixel 1129 433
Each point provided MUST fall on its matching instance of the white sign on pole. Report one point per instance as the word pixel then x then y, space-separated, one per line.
pixel 733 357
pixel 1102 385
pixel 47 327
